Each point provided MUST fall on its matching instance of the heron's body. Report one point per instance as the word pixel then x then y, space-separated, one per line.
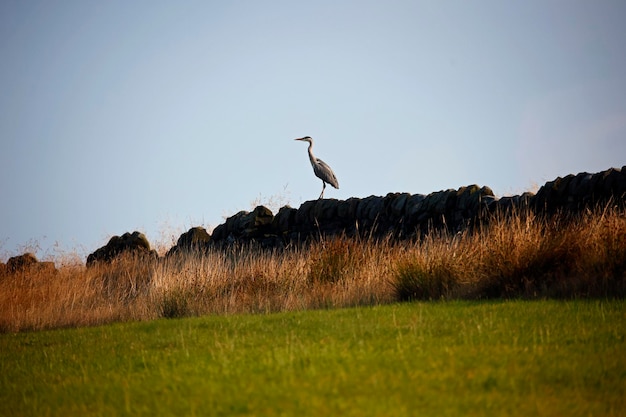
pixel 320 168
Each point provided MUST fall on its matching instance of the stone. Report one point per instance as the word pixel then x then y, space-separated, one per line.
pixel 346 209
pixel 21 263
pixel 284 219
pixel 414 204
pixel 135 243
pixel 256 222
pixel 305 213
pixel 195 237
pixel 27 263
pixel 395 204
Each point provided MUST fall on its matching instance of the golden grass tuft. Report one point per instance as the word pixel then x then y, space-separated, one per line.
pixel 509 256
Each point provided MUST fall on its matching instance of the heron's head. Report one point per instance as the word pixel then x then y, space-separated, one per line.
pixel 305 139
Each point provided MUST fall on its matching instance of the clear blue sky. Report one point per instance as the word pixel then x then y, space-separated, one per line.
pixel 161 115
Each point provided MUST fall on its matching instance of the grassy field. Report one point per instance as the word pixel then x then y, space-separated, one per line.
pixel 517 358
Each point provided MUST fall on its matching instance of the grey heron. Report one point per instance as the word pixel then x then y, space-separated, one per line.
pixel 320 168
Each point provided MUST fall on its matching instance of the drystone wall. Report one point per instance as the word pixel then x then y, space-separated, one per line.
pixel 400 215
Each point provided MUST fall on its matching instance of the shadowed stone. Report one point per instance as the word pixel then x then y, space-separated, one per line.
pixel 403 215
pixel 195 239
pixel 284 219
pixel 21 262
pixel 135 243
pixel 26 263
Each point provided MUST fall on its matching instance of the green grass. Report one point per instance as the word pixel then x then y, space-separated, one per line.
pixel 551 358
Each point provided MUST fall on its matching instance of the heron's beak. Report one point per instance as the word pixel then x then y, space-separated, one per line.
pixel 298 139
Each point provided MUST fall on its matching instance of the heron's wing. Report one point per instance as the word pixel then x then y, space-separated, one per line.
pixel 325 173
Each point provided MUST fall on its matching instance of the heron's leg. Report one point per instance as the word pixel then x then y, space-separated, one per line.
pixel 323 188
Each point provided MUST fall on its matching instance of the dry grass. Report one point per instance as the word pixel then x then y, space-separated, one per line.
pixel 519 255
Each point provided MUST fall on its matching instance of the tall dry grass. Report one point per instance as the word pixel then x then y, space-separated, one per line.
pixel 518 255
pixel 521 254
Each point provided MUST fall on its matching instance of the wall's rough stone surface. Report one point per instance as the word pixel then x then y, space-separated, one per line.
pixel 26 263
pixel 401 215
pixel 404 215
pixel 135 243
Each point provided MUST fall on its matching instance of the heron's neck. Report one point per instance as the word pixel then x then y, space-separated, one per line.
pixel 311 156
